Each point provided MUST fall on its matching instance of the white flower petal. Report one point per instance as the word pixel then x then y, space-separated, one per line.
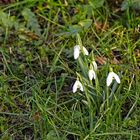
pixel 81 87
pixel 85 51
pixel 91 74
pixel 112 76
pixel 116 77
pixel 95 65
pixel 74 89
pixel 77 85
pixel 109 79
pixel 76 51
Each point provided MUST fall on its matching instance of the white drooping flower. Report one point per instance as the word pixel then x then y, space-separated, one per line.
pixel 94 65
pixel 77 50
pixel 85 51
pixel 110 78
pixel 91 74
pixel 77 85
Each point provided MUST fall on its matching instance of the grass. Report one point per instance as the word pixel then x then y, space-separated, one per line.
pixel 38 70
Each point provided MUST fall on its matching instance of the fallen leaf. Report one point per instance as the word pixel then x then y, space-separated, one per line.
pixel 100 26
pixel 101 60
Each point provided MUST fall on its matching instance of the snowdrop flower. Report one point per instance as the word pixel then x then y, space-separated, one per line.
pixel 77 50
pixel 94 65
pixel 77 85
pixel 91 74
pixel 110 78
pixel 85 51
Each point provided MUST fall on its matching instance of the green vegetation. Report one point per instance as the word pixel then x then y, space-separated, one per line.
pixel 38 70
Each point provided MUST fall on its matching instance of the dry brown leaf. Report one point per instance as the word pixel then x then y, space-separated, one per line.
pixel 101 60
pixel 115 61
pixel 100 26
pixel 36 116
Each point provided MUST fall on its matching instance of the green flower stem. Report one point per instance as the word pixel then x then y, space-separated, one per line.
pixel 90 109
pixel 98 92
pixel 107 107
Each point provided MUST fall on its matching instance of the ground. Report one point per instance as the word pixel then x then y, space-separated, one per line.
pixel 38 70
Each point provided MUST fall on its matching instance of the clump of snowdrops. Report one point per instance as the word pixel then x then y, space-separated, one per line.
pixel 87 82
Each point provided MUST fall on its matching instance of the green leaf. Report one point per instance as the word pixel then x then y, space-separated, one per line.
pixel 31 20
pixel 135 4
pixel 52 136
pixel 85 23
pixel 96 3
pixel 74 29
pixel 7 20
